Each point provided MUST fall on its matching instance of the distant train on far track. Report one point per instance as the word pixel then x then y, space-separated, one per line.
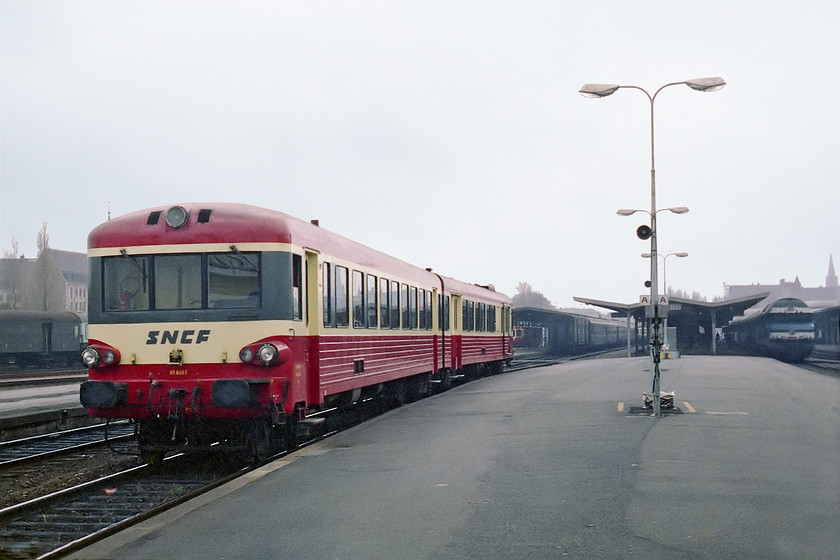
pixel 783 330
pixel 40 338
pixel 234 326
pixel 560 333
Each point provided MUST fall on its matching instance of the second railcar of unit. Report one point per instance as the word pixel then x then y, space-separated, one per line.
pixel 235 324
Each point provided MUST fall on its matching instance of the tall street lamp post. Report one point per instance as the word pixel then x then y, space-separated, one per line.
pixel 603 90
pixel 680 254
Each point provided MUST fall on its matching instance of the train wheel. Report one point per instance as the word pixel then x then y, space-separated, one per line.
pixel 153 457
pixel 150 438
pixel 259 439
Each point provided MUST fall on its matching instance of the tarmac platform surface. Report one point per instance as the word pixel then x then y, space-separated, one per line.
pixel 545 463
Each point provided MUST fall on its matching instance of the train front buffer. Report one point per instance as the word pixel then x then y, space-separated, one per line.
pixel 263 380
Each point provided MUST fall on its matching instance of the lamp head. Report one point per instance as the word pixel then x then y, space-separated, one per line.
pixel 598 90
pixel 706 84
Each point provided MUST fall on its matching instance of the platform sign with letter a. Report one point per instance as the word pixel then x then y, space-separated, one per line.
pixel 661 302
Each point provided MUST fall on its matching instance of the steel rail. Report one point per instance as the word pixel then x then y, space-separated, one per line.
pixel 19 451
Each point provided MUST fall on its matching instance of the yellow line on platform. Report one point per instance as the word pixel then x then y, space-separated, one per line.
pixel 621 407
pixel 688 406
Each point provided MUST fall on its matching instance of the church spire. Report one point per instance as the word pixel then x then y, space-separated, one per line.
pixel 831 279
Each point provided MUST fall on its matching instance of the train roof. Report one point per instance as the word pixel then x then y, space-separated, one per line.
pixel 538 314
pixel 18 315
pixel 787 305
pixel 233 223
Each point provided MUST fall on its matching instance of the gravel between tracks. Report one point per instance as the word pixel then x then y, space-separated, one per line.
pixel 22 483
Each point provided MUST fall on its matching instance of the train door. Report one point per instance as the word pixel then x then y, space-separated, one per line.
pixel 443 330
pixel 313 318
pixel 47 332
pixel 456 332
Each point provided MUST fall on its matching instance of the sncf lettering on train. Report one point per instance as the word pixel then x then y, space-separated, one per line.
pixel 178 337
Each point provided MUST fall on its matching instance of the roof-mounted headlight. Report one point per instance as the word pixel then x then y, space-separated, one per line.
pixel 176 217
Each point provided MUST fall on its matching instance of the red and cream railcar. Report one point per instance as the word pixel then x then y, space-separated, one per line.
pixel 230 323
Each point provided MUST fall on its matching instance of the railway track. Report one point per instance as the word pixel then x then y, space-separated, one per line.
pixel 58 523
pixel 69 519
pixel 824 360
pixel 37 448
pixel 18 377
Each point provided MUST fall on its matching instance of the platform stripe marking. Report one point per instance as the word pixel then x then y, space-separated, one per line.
pixel 621 406
pixel 689 407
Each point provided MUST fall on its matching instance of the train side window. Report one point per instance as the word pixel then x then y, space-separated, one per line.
pixel 412 308
pixel 371 301
pixel 481 317
pixel 406 323
pixel 469 315
pixel 491 318
pixel 358 300
pixel 443 319
pixel 421 306
pixel 328 287
pixel 297 287
pixel 307 304
pixel 384 305
pixel 395 305
pixel 429 299
pixel 342 308
pixel 464 314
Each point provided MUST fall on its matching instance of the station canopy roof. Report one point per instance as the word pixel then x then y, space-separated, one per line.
pixel 723 310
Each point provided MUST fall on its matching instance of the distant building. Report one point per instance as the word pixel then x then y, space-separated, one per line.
pixel 14 277
pixel 55 281
pixel 828 295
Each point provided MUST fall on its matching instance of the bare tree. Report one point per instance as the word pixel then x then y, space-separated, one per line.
pixel 13 252
pixel 45 292
pixel 526 296
pixel 43 239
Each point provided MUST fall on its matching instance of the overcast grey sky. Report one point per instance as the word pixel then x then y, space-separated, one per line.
pixel 449 134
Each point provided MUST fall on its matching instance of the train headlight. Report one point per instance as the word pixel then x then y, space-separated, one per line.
pixel 109 358
pixel 90 357
pixel 176 217
pixel 267 354
pixel 99 355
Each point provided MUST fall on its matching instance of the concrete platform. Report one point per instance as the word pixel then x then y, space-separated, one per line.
pixel 33 410
pixel 545 464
